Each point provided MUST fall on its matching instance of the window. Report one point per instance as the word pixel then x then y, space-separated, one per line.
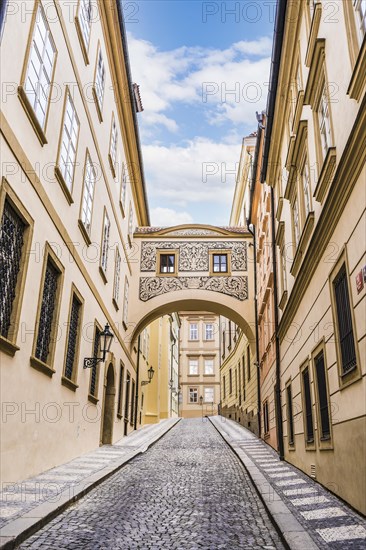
pixel 46 318
pixel 323 402
pixel 99 83
pixel 290 418
pixel 113 147
pixel 346 341
pixel 209 366
pixel 40 68
pixel 105 243
pixel 167 263
pixel 133 412
pixel 265 417
pixel 193 395
pixel 193 331
pixel 127 400
pixel 236 383
pixel 224 387
pixel 230 382
pixel 305 181
pixel 120 390
pixel 220 263
pixel 130 225
pixel 193 366
pixel 324 121
pixel 67 154
pixel 248 362
pixel 94 374
pixel 209 395
pixel 123 187
pixel 73 337
pixel 307 406
pixel 88 195
pixel 84 20
pixel 12 234
pixel 125 303
pixel 360 7
pixel 209 331
pixel 117 277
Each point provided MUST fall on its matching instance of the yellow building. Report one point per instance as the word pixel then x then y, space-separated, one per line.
pixel 72 191
pixel 314 158
pixel 199 364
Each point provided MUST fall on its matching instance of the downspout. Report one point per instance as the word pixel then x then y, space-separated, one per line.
pixel 137 382
pixel 259 405
pixel 277 340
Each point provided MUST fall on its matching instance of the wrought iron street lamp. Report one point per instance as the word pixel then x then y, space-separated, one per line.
pixel 201 400
pixel 150 374
pixel 105 339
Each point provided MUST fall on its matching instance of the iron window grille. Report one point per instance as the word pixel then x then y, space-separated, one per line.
pixel 127 400
pixel 72 338
pixel 290 418
pixel 308 407
pixel 323 397
pixel 344 321
pixel 265 417
pixel 132 417
pixel 220 263
pixel 11 245
pixel 47 312
pixel 120 392
pixel 93 376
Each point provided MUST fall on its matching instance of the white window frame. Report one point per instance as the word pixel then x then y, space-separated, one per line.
pixel 69 142
pixel 306 186
pixel 40 68
pixel 325 128
pixel 211 391
pixel 193 332
pixel 209 332
pixel 105 242
pixel 123 186
pixel 88 194
pixel 130 224
pixel 193 395
pixel 125 302
pixel 113 145
pixel 85 16
pixel 100 76
pixel 117 276
pixel 209 366
pixel 193 366
pixel 296 220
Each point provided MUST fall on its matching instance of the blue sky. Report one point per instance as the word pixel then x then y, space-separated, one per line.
pixel 203 70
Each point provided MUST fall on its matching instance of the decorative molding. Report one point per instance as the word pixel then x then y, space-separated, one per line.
pixel 236 287
pixel 358 80
pixel 190 231
pixel 193 256
pixel 314 30
pixel 326 175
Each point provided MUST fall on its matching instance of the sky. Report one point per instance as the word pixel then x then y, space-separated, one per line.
pixel 203 71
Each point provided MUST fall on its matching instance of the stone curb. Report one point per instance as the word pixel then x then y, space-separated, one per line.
pixel 17 531
pixel 292 532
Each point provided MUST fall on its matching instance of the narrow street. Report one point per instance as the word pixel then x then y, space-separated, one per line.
pixel 188 491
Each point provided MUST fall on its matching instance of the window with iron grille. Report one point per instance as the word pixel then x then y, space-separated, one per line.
pixel 244 385
pixel 40 67
pixel 94 372
pixel 265 417
pixel 248 362
pixel 47 312
pixel 223 387
pixel 127 400
pixel 132 417
pixel 73 338
pixel 120 390
pixel 11 245
pixel 344 321
pixel 230 381
pixel 290 418
pixel 309 427
pixel 323 396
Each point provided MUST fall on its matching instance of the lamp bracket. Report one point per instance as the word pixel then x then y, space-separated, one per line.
pixel 91 362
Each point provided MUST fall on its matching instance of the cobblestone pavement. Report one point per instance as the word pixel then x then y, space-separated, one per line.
pixel 189 491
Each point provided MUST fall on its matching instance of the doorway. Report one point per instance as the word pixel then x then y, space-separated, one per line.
pixel 108 409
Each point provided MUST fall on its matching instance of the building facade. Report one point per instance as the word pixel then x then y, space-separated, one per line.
pixel 314 159
pixel 199 364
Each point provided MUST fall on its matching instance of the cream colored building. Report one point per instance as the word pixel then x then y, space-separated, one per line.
pixel 314 157
pixel 199 364
pixel 72 192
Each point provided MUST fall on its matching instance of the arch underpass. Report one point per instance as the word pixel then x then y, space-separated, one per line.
pixel 193 283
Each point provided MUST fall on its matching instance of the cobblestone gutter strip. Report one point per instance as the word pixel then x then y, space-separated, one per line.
pixel 22 527
pixel 293 533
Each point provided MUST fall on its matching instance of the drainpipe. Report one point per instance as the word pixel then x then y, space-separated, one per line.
pixel 277 340
pixel 259 405
pixel 137 381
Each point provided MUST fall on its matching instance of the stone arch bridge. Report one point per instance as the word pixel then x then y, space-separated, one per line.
pixel 183 268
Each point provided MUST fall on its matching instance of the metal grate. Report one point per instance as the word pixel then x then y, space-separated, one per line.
pixel 323 396
pixel 11 244
pixel 308 407
pixel 47 312
pixel 93 380
pixel 344 319
pixel 73 338
pixel 290 418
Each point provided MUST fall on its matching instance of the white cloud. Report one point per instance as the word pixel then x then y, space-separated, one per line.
pixel 164 217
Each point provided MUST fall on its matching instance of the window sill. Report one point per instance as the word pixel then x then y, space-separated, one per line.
pixel 158 274
pixel 298 110
pixel 112 167
pixel 120 416
pixel 326 175
pixel 193 375
pixel 301 247
pixel 283 300
pixel 115 304
pixel 41 366
pixel 63 185
pixel 97 106
pixel 103 275
pixel 125 326
pixel 358 79
pixel 81 40
pixel 122 209
pixel 210 374
pixel 32 116
pixel 84 232
pixel 316 63
pixel 93 399
pixel 279 208
pixel 69 383
pixel 349 378
pixel 8 347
